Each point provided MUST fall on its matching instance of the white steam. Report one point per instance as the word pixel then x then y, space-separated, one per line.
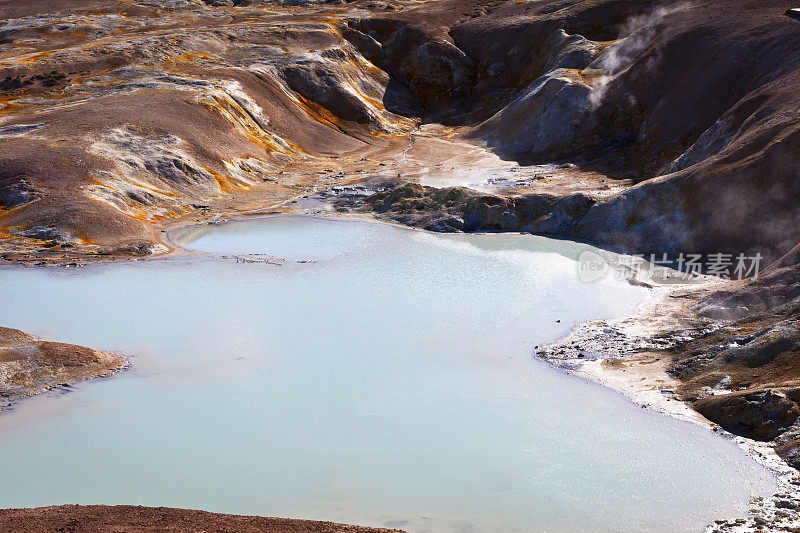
pixel 640 31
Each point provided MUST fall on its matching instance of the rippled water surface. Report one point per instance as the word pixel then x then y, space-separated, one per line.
pixel 388 383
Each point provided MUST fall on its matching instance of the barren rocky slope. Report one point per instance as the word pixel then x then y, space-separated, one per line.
pixel 644 126
pixel 120 117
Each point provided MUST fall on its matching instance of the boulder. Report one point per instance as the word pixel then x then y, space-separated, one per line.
pixel 757 414
pixel 544 119
pixel 438 73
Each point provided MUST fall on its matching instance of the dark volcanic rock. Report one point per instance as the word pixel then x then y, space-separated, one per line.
pixel 45 233
pixel 789 451
pixel 17 194
pixel 460 209
pixel 756 414
pixel 694 103
pixel 564 215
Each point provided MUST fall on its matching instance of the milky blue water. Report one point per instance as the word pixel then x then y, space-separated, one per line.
pixel 391 382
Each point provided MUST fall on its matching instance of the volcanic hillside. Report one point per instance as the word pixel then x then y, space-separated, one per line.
pixel 643 126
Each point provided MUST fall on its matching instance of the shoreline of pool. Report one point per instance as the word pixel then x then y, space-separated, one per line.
pixel 638 386
pixel 639 392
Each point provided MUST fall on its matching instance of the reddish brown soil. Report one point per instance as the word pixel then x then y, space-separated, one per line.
pixel 135 519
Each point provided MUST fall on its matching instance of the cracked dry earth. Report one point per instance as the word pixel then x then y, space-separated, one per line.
pixel 641 126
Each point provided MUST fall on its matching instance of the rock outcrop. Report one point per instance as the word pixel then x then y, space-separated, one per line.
pixel 757 414
pixel 459 209
pixel 745 374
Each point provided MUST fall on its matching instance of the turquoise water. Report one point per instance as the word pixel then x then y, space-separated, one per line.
pixel 389 383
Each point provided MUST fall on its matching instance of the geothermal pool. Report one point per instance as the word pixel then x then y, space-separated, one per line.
pixel 389 383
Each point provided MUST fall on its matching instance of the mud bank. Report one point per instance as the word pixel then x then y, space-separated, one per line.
pixel 134 519
pixel 30 366
pixel 643 355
